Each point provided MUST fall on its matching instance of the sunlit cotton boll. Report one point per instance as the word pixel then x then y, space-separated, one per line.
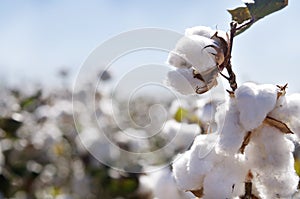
pixel 164 186
pixel 230 131
pixel 288 110
pixel 254 102
pixel 180 135
pixel 206 32
pixel 196 51
pixel 226 179
pixel 190 168
pixel 183 81
pixel 269 155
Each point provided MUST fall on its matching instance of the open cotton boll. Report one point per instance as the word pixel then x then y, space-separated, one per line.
pixel 205 32
pixel 277 185
pixel 201 31
pixel 226 179
pixel 231 133
pixel 270 158
pixel 269 148
pixel 254 102
pixel 181 173
pixel 190 168
pixel 183 81
pixel 194 50
pixel 180 135
pixel 203 157
pixel 178 61
pixel 287 110
pixel 164 186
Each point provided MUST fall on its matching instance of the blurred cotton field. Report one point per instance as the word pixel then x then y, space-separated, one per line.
pixel 125 153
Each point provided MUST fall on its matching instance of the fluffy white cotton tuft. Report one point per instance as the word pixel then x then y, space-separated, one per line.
pixel 206 32
pixel 193 49
pixel 178 61
pixel 190 168
pixel 179 135
pixel 270 158
pixel 231 133
pixel 183 81
pixel 225 180
pixel 287 110
pixel 254 102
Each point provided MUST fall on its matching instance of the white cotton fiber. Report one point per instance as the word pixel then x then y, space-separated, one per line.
pixel 287 110
pixel 164 186
pixel 226 179
pixel 190 168
pixel 203 157
pixel 183 81
pixel 254 102
pixel 177 60
pixel 205 32
pixel 181 173
pixel 180 135
pixel 201 31
pixel 269 154
pixel 194 50
pixel 231 133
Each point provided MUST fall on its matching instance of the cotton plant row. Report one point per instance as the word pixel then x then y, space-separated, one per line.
pixel 250 154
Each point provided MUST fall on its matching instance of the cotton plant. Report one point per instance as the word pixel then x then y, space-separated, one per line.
pixel 250 152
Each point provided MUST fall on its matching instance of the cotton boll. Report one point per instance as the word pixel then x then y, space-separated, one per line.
pixel 181 173
pixel 205 32
pixel 269 154
pixel 287 110
pixel 164 186
pixel 194 50
pixel 203 157
pixel 226 179
pixel 269 148
pixel 231 133
pixel 183 81
pixel 180 135
pixel 176 60
pixel 201 31
pixel 277 185
pixel 190 168
pixel 254 102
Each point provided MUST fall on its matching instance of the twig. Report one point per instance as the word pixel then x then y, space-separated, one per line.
pixel 227 61
pixel 245 142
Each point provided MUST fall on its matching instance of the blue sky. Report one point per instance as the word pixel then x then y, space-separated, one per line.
pixel 39 37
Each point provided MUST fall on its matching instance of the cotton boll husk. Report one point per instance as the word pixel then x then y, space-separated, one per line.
pixel 194 50
pixel 231 133
pixel 269 154
pixel 183 81
pixel 254 102
pixel 226 179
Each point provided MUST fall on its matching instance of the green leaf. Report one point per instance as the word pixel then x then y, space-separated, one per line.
pixel 240 14
pixel 180 114
pixel 32 102
pixel 255 11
